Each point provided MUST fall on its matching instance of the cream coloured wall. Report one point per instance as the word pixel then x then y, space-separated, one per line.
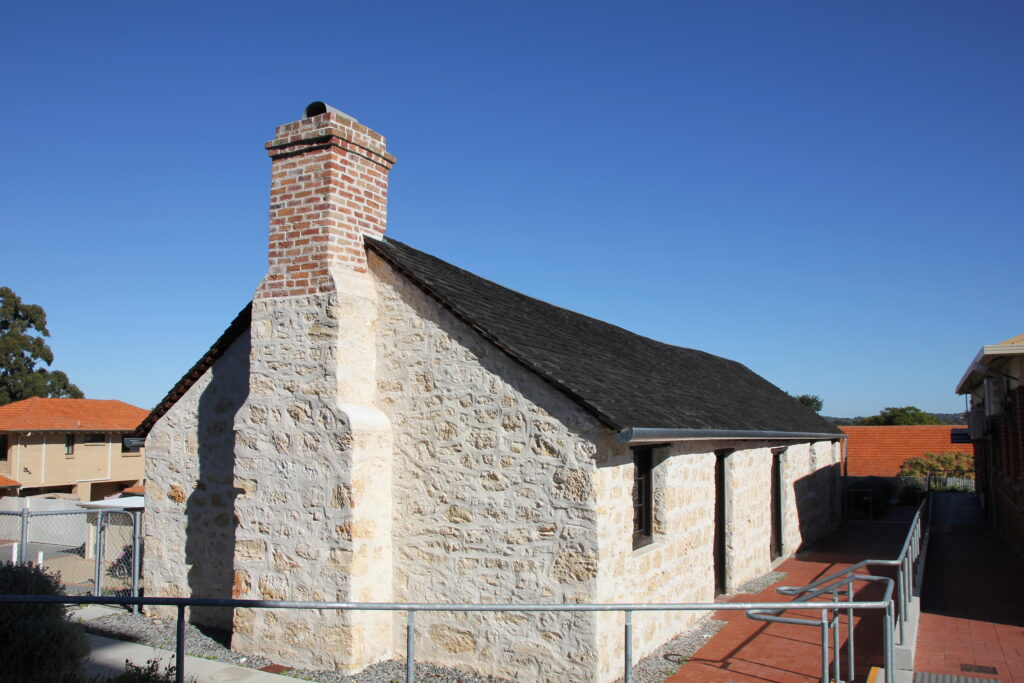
pixel 38 459
pixel 494 494
pixel 496 488
pixel 678 565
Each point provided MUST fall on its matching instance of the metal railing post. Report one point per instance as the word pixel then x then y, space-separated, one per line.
pixel 136 554
pixel 849 629
pixel 824 646
pixel 410 646
pixel 890 659
pixel 836 663
pixel 627 675
pixel 179 647
pixel 23 550
pixel 899 593
pixel 98 570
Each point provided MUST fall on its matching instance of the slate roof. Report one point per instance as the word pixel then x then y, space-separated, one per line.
pixel 70 415
pixel 879 451
pixel 622 378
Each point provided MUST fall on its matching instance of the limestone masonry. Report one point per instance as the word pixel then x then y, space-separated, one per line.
pixel 362 440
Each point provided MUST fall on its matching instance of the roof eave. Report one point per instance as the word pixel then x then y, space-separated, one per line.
pixel 641 435
pixel 978 368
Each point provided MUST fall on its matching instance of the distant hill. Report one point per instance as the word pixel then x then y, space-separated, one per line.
pixel 943 418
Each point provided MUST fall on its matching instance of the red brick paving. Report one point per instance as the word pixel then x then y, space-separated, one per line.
pixel 972 608
pixel 973 601
pixel 758 652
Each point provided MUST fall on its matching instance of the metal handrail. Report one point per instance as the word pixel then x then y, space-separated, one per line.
pixel 831 624
pixel 909 553
pixel 412 608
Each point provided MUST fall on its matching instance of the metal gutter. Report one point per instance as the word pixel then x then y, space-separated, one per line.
pixel 632 435
pixel 980 364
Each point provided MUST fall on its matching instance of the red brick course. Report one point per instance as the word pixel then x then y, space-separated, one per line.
pixel 329 184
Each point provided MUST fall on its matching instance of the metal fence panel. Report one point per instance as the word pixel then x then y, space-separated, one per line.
pixel 96 552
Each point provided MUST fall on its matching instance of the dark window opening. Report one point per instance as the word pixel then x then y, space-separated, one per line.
pixel 95 438
pixel 776 504
pixel 719 549
pixel 4 445
pixel 69 444
pixel 643 495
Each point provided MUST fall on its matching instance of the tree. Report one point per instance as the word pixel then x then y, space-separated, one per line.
pixel 947 464
pixel 813 402
pixel 22 349
pixel 908 415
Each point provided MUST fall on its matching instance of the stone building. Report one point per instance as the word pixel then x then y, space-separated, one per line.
pixel 379 425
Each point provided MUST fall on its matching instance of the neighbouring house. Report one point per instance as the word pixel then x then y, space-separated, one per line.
pixel 878 451
pixel 379 425
pixel 994 381
pixel 69 445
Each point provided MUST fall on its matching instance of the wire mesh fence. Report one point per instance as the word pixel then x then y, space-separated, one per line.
pixel 96 552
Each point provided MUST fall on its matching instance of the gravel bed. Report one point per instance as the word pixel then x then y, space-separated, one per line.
pixel 760 583
pixel 212 644
pixel 666 660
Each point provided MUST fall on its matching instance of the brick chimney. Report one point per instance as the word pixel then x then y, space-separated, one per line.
pixel 329 187
pixel 313 454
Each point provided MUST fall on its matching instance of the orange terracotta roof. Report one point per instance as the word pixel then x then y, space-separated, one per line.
pixel 7 481
pixel 137 490
pixel 70 415
pixel 879 451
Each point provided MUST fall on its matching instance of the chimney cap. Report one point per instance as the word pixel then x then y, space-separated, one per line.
pixel 318 107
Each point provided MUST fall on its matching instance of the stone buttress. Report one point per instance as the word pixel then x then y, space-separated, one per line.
pixel 313 454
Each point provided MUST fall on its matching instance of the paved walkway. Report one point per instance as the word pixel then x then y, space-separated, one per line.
pixel 754 651
pixel 108 657
pixel 972 608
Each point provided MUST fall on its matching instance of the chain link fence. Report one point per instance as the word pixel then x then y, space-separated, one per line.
pixel 97 552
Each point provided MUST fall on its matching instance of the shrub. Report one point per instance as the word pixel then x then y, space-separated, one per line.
pixel 149 673
pixel 37 642
pixel 947 464
pixel 910 490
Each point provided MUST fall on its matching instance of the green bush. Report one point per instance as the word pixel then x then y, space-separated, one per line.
pixel 910 490
pixel 150 673
pixel 37 642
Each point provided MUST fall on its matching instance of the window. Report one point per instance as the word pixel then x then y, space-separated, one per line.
pixel 129 446
pixel 643 495
pixel 95 438
pixel 69 444
pixel 3 447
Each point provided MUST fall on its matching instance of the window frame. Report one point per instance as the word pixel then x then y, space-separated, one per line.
pixel 643 496
pixel 69 445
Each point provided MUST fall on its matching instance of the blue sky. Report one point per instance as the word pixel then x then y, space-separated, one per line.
pixel 829 193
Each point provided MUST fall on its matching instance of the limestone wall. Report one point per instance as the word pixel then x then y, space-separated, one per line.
pixel 189 529
pixel 313 469
pixel 678 565
pixel 812 506
pixel 494 494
